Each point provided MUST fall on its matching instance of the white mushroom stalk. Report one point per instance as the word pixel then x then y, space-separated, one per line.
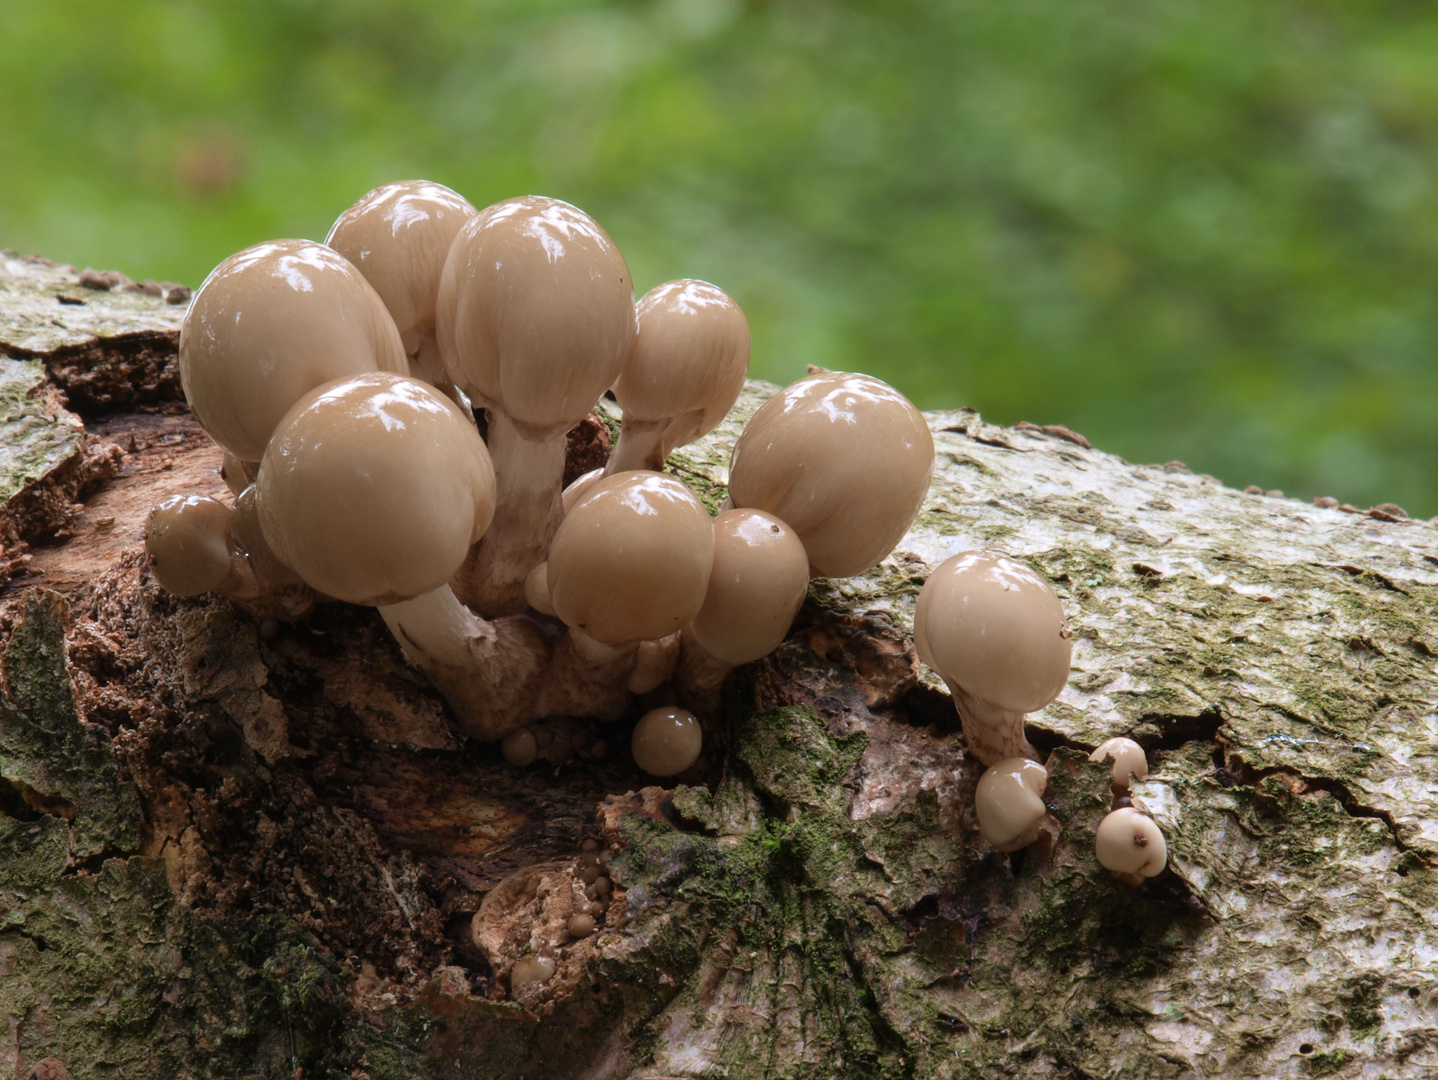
pixel 373 489
pixel 398 236
pixel 996 633
pixel 535 316
pixel 684 373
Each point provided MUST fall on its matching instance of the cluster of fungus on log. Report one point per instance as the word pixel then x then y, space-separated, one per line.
pixel 342 379
pixel 1128 842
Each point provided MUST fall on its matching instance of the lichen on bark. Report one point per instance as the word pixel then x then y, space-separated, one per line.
pixel 197 840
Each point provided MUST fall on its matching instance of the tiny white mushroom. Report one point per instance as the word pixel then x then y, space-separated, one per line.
pixel 1009 802
pixel 1131 845
pixel 667 741
pixel 1128 760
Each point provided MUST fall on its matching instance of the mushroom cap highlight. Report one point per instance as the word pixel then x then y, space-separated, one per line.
pixel 1129 842
pixel 757 585
pixel 631 560
pixel 188 540
pixel 1009 799
pixel 1128 759
pixel 398 236
pixel 845 459
pixel 690 356
pixel 374 487
pixel 535 312
pixel 666 741
pixel 269 325
pixel 993 626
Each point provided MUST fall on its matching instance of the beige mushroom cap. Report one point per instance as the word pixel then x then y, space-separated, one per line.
pixel 631 560
pixel 374 487
pixel 758 583
pixel 1009 799
pixel 1129 842
pixel 269 325
pixel 666 741
pixel 993 626
pixel 398 236
pixel 188 540
pixel 1128 759
pixel 690 355
pixel 845 459
pixel 535 312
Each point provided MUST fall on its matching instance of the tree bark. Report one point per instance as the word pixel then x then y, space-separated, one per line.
pixel 236 846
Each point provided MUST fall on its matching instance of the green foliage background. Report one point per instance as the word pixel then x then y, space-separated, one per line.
pixel 1195 229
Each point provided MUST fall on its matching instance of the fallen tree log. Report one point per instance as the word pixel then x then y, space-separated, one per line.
pixel 239 847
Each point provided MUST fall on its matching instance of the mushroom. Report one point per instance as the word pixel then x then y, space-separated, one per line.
pixel 1129 762
pixel 398 237
pixel 995 632
pixel 1009 802
pixel 237 474
pixel 269 325
pixel 373 489
pixel 535 318
pixel 758 583
pixel 845 459
pixel 684 373
pixel 1131 845
pixel 251 537
pixel 666 741
pixel 530 972
pixel 187 538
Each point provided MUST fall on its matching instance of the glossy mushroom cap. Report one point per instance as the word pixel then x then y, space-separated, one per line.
pixel 666 741
pixel 1129 842
pixel 688 360
pixel 991 625
pixel 631 561
pixel 188 540
pixel 398 236
pixel 1009 800
pixel 1128 760
pixel 536 312
pixel 845 459
pixel 374 487
pixel 757 585
pixel 269 325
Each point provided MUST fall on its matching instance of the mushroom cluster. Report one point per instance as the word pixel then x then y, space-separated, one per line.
pixel 342 381
pixel 1128 842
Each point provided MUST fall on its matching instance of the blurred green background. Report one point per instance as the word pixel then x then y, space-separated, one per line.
pixel 1201 230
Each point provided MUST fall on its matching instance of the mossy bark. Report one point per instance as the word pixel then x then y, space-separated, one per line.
pixel 232 854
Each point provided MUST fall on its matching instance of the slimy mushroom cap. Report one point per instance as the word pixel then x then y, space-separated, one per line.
pixel 845 459
pixel 374 487
pixel 993 626
pixel 269 325
pixel 1129 842
pixel 188 541
pixel 535 313
pixel 667 741
pixel 631 560
pixel 1009 800
pixel 758 583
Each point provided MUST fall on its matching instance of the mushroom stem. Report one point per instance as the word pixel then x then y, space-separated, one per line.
pixel 488 670
pixel 587 678
pixel 699 675
pixel 993 733
pixel 640 446
pixel 529 472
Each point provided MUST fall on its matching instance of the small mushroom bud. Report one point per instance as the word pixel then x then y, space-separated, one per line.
pixel 995 632
pixel 666 742
pixel 1128 760
pixel 531 971
pixel 536 590
pixel 269 325
pixel 520 747
pixel 535 317
pixel 631 562
pixel 1009 802
pixel 398 236
pixel 251 537
pixel 580 926
pixel 845 459
pixel 188 540
pixel 1131 845
pixel 238 474
pixel 684 373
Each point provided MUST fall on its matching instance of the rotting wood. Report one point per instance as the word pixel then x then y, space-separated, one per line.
pixel 241 854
